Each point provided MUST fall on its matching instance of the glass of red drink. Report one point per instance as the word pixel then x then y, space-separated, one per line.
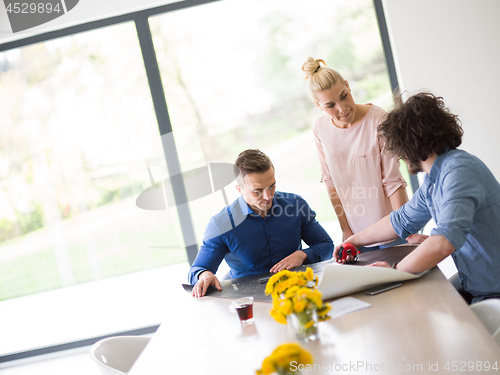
pixel 244 308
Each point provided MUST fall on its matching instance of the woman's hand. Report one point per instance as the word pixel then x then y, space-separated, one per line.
pixel 379 264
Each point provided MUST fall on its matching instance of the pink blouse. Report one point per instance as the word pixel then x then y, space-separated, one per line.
pixel 354 162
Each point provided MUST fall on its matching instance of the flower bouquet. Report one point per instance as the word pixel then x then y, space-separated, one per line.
pixel 285 360
pixel 296 299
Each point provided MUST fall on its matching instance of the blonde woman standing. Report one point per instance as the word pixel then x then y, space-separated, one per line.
pixel 363 182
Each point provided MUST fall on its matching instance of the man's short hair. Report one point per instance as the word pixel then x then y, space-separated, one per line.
pixel 251 161
pixel 419 127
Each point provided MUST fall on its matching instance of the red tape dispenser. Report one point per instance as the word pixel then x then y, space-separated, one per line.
pixel 347 249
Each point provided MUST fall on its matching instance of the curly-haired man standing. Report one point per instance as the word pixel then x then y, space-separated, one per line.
pixel 459 192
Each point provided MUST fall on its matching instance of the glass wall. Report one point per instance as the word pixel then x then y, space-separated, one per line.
pixel 79 141
pixel 232 77
pixel 78 134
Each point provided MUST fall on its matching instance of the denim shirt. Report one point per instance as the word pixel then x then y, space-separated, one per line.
pixel 251 244
pixel 463 197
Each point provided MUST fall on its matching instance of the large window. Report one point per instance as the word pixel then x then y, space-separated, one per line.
pixel 80 140
pixel 232 78
pixel 78 135
pixel 77 138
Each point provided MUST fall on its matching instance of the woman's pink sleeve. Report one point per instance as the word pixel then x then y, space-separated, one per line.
pixel 392 179
pixel 326 178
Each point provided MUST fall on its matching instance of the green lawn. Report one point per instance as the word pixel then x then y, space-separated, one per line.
pixel 108 241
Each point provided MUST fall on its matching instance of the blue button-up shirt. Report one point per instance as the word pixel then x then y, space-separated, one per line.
pixel 251 244
pixel 463 197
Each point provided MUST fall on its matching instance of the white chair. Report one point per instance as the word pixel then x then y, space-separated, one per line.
pixel 116 355
pixel 488 311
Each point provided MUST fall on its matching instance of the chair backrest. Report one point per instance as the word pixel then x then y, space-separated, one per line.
pixel 116 355
pixel 488 311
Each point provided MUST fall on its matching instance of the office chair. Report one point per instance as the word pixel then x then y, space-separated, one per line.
pixel 455 281
pixel 488 311
pixel 116 355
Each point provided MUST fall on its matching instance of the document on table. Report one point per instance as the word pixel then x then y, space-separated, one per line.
pixel 345 306
pixel 335 280
pixel 340 280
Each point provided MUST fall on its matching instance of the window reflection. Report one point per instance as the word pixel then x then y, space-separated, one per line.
pixel 77 135
pixel 234 82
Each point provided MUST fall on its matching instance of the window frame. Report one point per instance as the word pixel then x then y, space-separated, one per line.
pixel 140 18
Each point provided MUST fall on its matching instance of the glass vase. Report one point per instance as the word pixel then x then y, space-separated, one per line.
pixel 305 325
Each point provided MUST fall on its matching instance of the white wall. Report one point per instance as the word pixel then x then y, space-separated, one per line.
pixel 452 47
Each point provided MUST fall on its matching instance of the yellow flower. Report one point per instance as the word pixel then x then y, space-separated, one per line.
pixel 281 281
pixel 270 283
pixel 283 354
pixel 274 280
pixel 309 274
pixel 305 357
pixel 267 367
pixel 316 281
pixel 285 285
pixel 309 324
pixel 278 316
pixel 293 293
pixel 303 292
pixel 290 292
pixel 298 305
pixel 302 282
pixel 315 297
pixel 324 310
pixel 286 307
pixel 281 358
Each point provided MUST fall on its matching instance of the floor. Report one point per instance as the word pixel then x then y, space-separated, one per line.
pixel 115 295
pixel 74 362
pixel 59 316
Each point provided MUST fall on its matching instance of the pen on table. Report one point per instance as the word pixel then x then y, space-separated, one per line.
pixel 264 280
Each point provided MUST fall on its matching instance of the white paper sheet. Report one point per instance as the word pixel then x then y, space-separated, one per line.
pixel 340 280
pixel 346 305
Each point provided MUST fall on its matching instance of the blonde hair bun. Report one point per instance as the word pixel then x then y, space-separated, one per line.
pixel 319 77
pixel 311 66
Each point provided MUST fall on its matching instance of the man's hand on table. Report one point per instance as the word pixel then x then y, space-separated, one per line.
pixel 293 260
pixel 205 279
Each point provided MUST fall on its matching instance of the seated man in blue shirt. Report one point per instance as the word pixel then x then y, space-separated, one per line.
pixel 459 192
pixel 259 232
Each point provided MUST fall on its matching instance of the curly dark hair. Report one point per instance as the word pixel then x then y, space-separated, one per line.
pixel 421 126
